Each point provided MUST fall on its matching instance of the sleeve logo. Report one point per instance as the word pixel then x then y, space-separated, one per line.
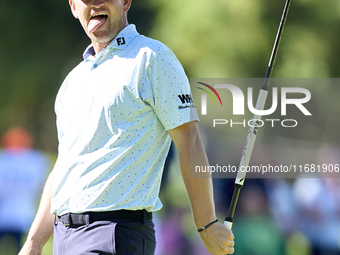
pixel 186 99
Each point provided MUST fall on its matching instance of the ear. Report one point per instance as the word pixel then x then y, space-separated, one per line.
pixel 127 5
pixel 73 9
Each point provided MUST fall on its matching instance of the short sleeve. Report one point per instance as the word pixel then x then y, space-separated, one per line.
pixel 172 99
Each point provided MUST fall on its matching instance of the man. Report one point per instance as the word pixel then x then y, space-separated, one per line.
pixel 115 113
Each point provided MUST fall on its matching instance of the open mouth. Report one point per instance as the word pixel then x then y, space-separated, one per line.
pixel 96 21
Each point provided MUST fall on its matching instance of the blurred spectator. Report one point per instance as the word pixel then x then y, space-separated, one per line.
pixel 172 240
pixel 318 203
pixel 22 174
pixel 318 210
pixel 282 205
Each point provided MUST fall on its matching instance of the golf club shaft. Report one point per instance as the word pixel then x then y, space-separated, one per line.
pixel 251 137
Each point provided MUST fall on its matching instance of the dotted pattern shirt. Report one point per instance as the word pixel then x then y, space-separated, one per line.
pixel 113 112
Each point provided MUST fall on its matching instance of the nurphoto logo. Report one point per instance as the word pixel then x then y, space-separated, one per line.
pixel 295 97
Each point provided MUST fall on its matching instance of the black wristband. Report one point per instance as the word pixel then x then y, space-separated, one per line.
pixel 201 229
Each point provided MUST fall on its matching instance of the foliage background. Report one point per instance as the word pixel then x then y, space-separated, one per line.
pixel 41 42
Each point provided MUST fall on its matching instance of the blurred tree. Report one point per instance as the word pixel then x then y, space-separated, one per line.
pixel 41 42
pixel 217 39
pixel 234 38
pixel 38 44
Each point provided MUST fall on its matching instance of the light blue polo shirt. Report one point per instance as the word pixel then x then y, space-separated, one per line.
pixel 113 112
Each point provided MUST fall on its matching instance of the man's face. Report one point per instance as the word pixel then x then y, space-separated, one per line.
pixel 102 20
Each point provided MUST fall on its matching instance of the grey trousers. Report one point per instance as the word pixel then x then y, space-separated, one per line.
pixel 120 237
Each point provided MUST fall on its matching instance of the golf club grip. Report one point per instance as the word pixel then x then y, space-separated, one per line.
pixel 228 221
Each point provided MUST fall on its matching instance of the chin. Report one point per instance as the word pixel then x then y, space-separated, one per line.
pixel 101 38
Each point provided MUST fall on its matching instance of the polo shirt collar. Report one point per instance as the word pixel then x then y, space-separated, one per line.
pixel 122 39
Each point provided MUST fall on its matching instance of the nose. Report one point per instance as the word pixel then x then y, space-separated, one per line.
pixel 97 3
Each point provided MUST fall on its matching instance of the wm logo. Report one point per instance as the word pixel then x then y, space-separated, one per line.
pixel 185 98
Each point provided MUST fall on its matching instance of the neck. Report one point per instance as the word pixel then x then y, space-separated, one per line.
pixel 98 47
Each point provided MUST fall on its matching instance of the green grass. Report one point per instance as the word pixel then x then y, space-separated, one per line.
pixel 48 248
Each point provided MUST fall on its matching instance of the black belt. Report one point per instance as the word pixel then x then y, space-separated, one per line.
pixel 79 219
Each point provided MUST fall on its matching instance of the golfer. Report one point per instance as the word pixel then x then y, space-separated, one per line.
pixel 117 112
